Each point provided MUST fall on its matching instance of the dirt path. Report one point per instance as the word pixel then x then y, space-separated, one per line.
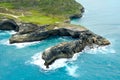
pixel 10 15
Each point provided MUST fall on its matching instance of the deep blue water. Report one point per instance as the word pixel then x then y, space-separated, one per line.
pixel 23 61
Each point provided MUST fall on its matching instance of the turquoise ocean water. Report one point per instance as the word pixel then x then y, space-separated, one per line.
pixel 23 61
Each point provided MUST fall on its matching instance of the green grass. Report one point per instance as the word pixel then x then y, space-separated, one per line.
pixel 39 19
pixel 34 17
pixel 41 11
pixel 6 5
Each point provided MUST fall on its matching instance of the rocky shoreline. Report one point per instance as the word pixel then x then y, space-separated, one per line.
pixel 28 32
pixel 68 49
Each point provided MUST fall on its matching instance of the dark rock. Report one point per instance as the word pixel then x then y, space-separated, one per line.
pixel 62 50
pixel 38 34
pixel 9 24
pixel 29 27
pixel 68 49
pixel 83 37
pixel 75 16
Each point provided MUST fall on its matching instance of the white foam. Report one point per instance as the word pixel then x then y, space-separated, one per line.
pixel 18 45
pixel 11 32
pixel 72 71
pixel 37 60
pixel 75 56
pixel 22 45
pixel 100 50
pixel 7 32
pixel 67 63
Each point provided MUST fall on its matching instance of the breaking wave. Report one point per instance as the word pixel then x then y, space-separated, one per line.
pixel 17 45
pixel 7 32
pixel 68 64
pixel 99 50
pixel 71 70
pixel 37 60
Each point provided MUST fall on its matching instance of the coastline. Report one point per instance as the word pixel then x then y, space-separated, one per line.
pixel 29 32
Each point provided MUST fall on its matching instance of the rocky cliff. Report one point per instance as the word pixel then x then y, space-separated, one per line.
pixel 66 9
pixel 28 32
pixel 68 49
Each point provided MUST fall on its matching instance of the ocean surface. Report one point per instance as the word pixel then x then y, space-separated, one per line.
pixel 23 61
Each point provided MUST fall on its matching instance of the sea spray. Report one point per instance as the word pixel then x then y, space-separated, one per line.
pixel 72 70
pixel 59 63
pixel 99 50
pixel 18 45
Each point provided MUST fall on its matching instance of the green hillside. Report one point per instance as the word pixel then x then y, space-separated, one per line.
pixel 40 11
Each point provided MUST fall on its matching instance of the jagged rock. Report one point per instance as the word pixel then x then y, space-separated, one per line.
pixel 39 34
pixel 29 27
pixel 30 37
pixel 9 24
pixel 28 32
pixel 68 49
pixel 62 50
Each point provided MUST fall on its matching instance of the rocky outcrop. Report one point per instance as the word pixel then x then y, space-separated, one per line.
pixel 38 34
pixel 68 49
pixel 28 32
pixel 8 24
pixel 29 27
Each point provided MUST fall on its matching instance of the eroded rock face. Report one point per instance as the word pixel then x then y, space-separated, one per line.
pixel 68 49
pixel 38 34
pixel 62 50
pixel 9 24
pixel 28 32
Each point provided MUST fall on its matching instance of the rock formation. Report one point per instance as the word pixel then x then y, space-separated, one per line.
pixel 39 33
pixel 28 32
pixel 68 49
pixel 8 24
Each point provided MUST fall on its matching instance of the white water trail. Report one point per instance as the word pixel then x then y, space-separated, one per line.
pixel 23 45
pixel 11 32
pixel 37 60
pixel 99 50
pixel 72 70
pixel 7 32
pixel 18 45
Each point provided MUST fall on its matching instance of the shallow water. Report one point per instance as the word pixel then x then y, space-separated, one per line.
pixel 23 61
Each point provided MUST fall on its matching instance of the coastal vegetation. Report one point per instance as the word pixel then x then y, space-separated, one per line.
pixel 40 11
pixel 53 17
